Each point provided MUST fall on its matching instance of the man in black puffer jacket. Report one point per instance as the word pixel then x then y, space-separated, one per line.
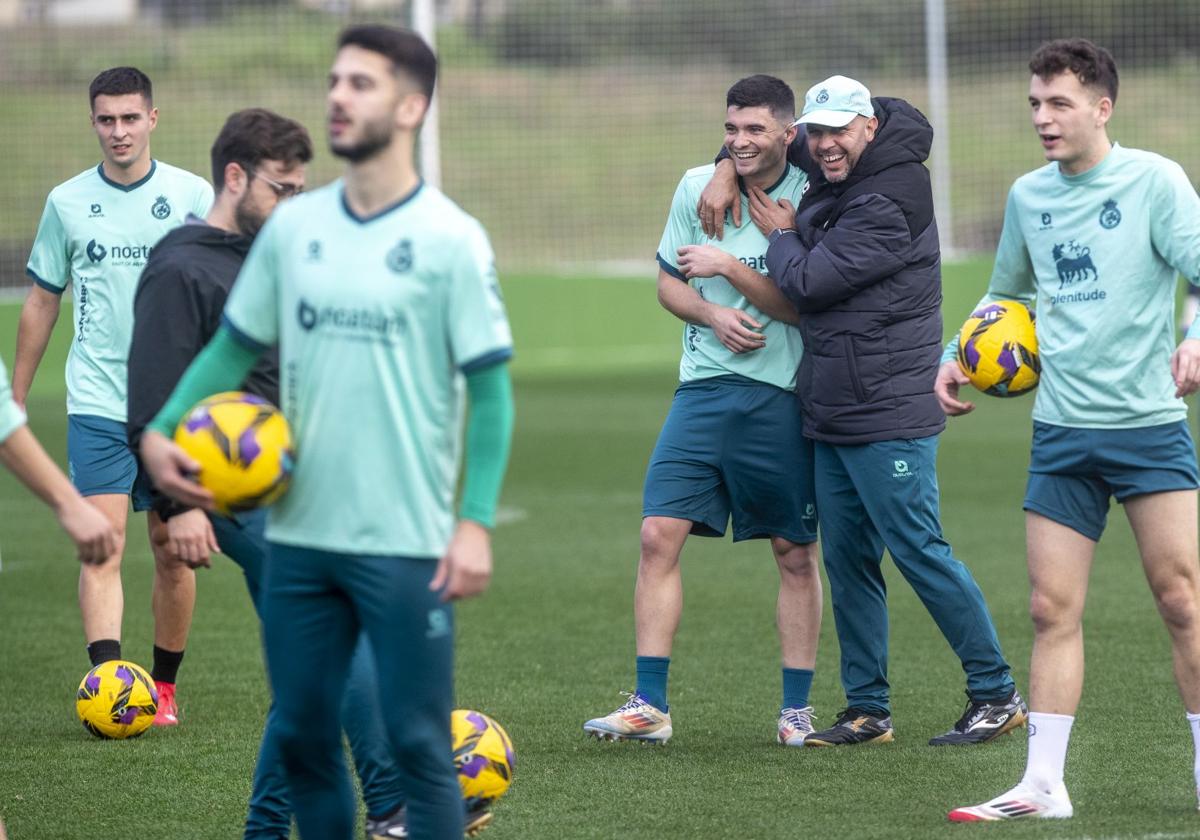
pixel 860 260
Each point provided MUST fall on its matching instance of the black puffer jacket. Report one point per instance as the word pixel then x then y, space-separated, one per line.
pixel 865 274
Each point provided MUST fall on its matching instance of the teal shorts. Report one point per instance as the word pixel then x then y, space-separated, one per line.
pixel 100 462
pixel 1073 472
pixel 732 447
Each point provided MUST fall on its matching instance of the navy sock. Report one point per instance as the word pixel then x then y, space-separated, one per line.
pixel 652 680
pixel 797 682
pixel 104 650
pixel 166 664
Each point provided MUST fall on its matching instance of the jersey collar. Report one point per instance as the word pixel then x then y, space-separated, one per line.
pixel 127 187
pixel 787 170
pixel 362 220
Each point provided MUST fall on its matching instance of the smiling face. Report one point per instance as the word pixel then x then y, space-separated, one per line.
pixel 1070 120
pixel 757 142
pixel 837 150
pixel 123 125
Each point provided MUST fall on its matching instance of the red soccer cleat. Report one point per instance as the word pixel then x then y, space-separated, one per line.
pixel 168 712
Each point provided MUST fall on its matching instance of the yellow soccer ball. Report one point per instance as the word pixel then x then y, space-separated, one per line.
pixel 244 448
pixel 483 755
pixel 116 699
pixel 998 350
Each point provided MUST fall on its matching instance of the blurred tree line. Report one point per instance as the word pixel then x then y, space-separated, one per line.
pixel 875 35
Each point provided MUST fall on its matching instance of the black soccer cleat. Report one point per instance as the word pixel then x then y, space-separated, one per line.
pixel 392 827
pixel 984 720
pixel 854 726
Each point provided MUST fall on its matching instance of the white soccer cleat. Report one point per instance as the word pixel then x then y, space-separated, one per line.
pixel 637 720
pixel 795 725
pixel 1021 801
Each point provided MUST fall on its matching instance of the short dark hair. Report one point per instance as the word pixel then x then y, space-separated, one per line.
pixel 407 51
pixel 251 136
pixel 118 81
pixel 1092 65
pixel 759 91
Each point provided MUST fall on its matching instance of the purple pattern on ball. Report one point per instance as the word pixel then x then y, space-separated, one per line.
pixel 1008 360
pixel 248 448
pixel 124 675
pixel 992 310
pixel 197 420
pixel 93 683
pixel 129 714
pixel 474 767
pixel 972 354
pixel 478 721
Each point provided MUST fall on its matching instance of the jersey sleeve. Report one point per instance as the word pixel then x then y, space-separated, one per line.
pixel 680 230
pixel 252 310
pixel 50 260
pixel 1175 222
pixel 11 416
pixel 1012 274
pixel 477 323
pixel 202 198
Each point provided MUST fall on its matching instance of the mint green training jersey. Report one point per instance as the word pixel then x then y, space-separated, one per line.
pixel 96 235
pixel 11 416
pixel 376 320
pixel 1100 254
pixel 704 355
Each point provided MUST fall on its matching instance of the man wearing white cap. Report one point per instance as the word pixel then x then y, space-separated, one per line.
pixel 859 259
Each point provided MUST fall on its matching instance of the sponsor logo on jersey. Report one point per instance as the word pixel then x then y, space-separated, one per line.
pixel 1074 265
pixel 161 208
pixel 351 323
pixel 1110 216
pixel 96 252
pixel 314 250
pixel 1047 222
pixel 759 263
pixel 118 255
pixel 400 258
pixel 96 210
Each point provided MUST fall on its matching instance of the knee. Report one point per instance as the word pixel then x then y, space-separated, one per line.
pixel 797 562
pixel 1177 603
pixel 1052 613
pixel 659 551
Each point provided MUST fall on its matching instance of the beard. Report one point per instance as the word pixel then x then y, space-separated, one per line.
pixel 376 137
pixel 249 219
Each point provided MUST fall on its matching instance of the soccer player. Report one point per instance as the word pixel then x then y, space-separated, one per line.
pixel 1096 237
pixel 96 232
pixel 731 444
pixel 258 160
pixel 858 257
pixel 94 536
pixel 382 296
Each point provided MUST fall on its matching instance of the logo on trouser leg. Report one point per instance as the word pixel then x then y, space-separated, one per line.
pixel 439 624
pixel 901 468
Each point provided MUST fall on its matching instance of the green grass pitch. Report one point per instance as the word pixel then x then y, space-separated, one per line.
pixel 552 642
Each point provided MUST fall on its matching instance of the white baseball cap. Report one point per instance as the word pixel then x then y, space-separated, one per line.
pixel 835 102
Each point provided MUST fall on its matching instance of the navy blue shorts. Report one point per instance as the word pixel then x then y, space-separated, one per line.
pixel 1073 472
pixel 100 462
pixel 733 447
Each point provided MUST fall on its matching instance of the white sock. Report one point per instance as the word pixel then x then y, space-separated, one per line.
pixel 1194 722
pixel 1048 737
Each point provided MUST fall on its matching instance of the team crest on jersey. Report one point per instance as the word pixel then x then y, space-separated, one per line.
pixel 400 258
pixel 822 97
pixel 96 251
pixel 1074 264
pixel 1110 216
pixel 161 208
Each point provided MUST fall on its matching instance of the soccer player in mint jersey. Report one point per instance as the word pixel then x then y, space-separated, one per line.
pixel 731 445
pixel 383 298
pixel 96 232
pixel 258 160
pixel 1097 238
pixel 94 536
